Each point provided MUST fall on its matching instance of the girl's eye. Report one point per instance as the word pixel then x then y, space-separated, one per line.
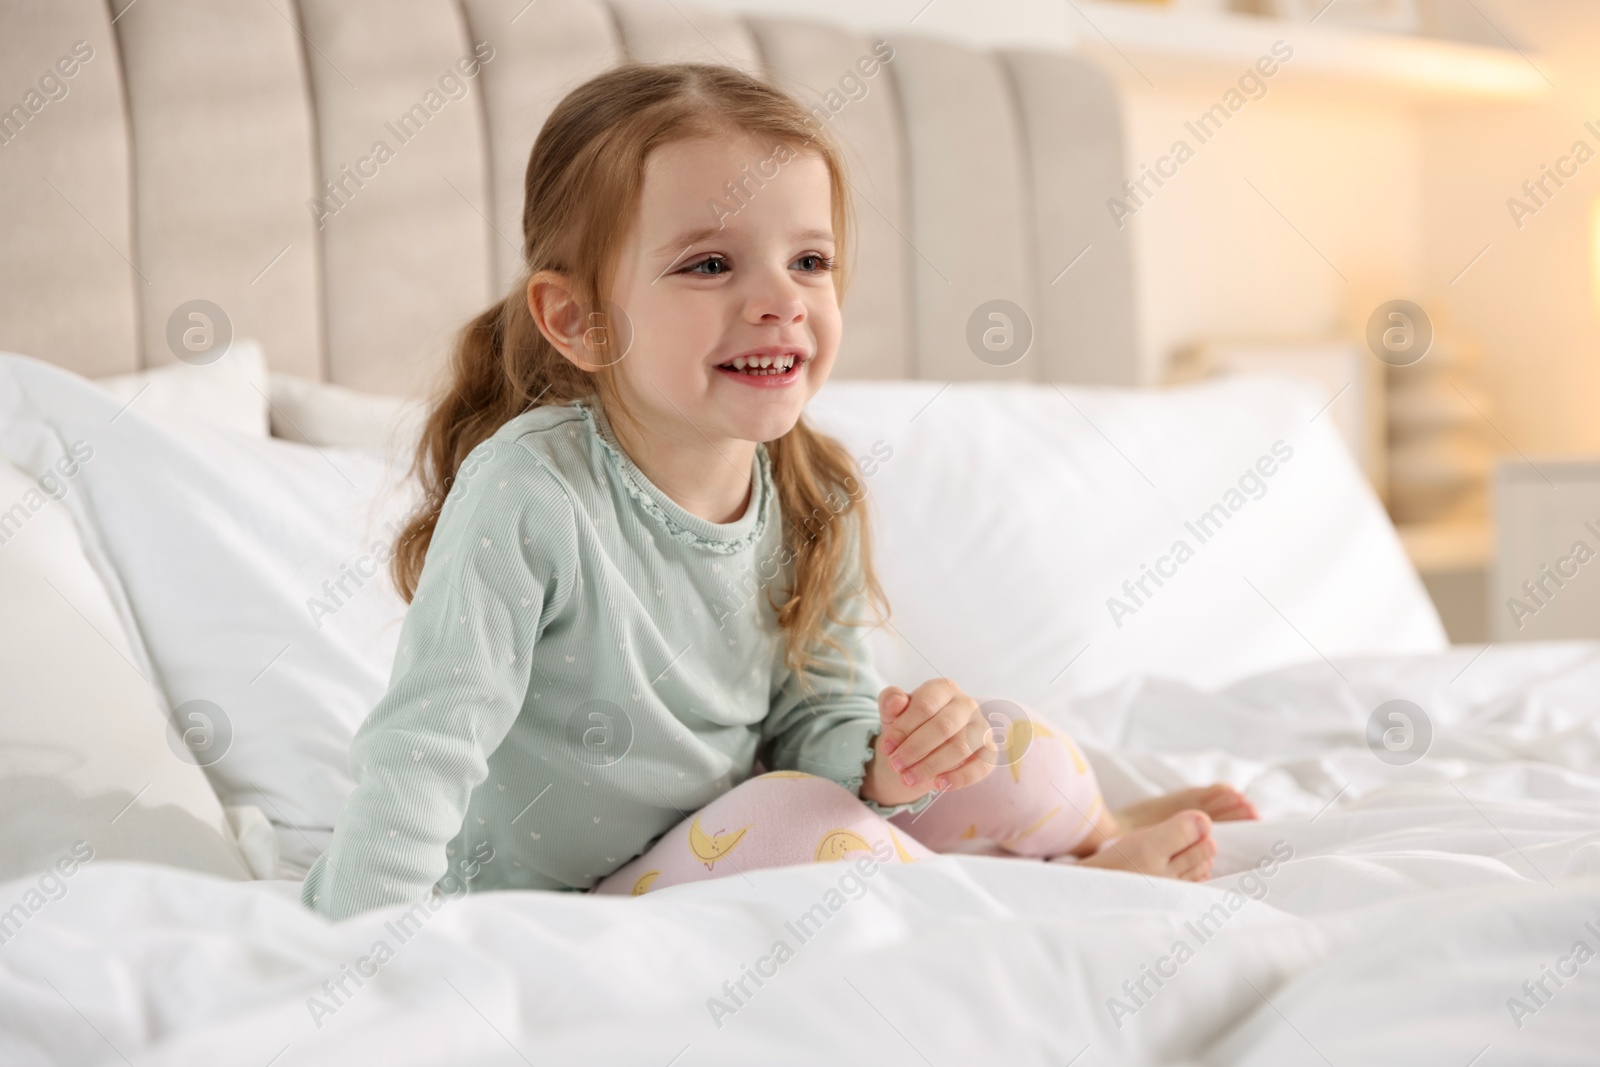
pixel 814 262
pixel 714 267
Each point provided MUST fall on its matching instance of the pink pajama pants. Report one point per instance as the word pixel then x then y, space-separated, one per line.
pixel 1040 800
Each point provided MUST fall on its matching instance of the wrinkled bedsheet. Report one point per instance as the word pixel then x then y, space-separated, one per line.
pixel 1432 905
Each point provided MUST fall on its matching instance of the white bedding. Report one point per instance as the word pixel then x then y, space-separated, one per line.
pixel 249 573
pixel 1416 903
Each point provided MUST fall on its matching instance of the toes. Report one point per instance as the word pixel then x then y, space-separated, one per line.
pixel 1175 833
pixel 1224 803
pixel 1179 833
pixel 1194 863
pixel 1205 847
pixel 1180 846
pixel 1198 824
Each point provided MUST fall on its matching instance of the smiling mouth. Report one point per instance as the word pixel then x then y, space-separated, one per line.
pixel 760 366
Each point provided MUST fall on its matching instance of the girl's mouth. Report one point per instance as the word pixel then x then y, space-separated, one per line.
pixel 764 370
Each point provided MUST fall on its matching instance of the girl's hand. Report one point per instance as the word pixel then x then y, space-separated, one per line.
pixel 933 738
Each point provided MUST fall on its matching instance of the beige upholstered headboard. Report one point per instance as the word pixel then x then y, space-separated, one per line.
pixel 158 152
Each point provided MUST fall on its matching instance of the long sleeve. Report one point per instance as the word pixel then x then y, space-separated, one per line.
pixel 499 567
pixel 830 731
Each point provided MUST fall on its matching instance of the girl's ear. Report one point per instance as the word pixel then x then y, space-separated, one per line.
pixel 589 341
pixel 557 313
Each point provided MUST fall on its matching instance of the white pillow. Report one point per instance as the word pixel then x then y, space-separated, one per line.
pixel 319 413
pixel 89 766
pixel 231 550
pixel 1006 516
pixel 1009 516
pixel 230 393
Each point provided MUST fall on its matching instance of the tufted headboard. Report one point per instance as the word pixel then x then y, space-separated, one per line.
pixel 158 152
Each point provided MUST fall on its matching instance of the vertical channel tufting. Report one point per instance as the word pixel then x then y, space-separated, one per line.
pixel 542 51
pixel 224 151
pixel 405 188
pixel 968 223
pixel 844 79
pixel 222 167
pixel 658 32
pixel 1086 322
pixel 67 275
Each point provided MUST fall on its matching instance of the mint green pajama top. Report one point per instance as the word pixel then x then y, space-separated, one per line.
pixel 584 665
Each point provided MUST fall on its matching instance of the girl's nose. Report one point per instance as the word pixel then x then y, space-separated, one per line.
pixel 776 302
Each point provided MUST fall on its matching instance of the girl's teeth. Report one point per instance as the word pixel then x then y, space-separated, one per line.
pixel 762 365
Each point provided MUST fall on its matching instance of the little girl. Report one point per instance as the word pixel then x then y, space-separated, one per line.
pixel 637 570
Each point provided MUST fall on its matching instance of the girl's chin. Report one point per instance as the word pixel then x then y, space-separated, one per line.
pixel 763 421
pixel 769 426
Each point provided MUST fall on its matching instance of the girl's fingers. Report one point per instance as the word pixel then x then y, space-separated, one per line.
pixel 924 738
pixel 925 703
pixel 941 743
pixel 969 742
pixel 970 772
pixel 892 702
pixel 945 760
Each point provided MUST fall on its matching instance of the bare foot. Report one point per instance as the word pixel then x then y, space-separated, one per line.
pixel 1222 802
pixel 1178 847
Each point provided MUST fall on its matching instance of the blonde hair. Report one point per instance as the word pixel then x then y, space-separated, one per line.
pixel 583 183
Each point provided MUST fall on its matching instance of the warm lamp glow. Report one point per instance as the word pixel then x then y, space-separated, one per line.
pixel 1594 261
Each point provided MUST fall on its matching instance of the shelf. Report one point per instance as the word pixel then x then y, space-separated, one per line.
pixel 1164 46
pixel 1152 43
pixel 1440 547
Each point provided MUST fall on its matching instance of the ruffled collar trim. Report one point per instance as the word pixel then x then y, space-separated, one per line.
pixel 679 524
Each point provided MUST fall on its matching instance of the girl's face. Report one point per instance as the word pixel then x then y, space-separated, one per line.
pixel 705 280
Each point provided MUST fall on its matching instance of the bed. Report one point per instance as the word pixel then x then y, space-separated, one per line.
pixel 196 615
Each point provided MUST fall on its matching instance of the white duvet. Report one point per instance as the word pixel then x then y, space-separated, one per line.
pixel 1446 912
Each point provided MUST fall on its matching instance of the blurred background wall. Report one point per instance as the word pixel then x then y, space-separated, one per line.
pixel 1378 165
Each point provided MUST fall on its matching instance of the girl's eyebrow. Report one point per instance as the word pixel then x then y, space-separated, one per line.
pixel 680 244
pixel 684 241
